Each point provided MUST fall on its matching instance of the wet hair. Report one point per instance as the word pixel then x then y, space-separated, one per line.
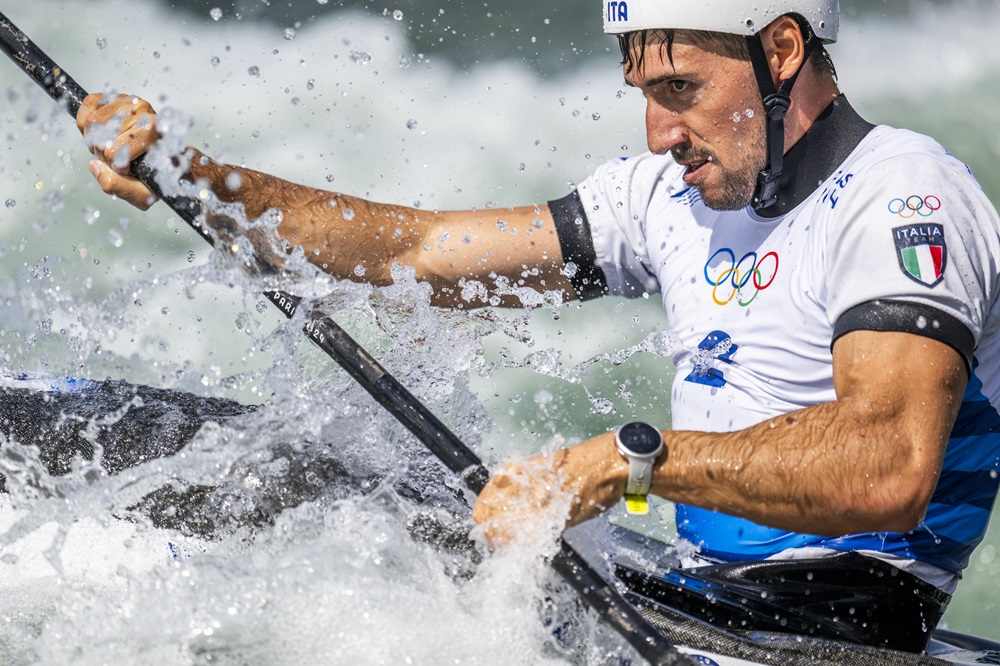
pixel 633 46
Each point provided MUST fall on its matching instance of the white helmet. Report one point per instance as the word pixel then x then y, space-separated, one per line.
pixel 733 16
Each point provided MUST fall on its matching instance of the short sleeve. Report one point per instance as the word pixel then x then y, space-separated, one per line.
pixel 616 200
pixel 915 248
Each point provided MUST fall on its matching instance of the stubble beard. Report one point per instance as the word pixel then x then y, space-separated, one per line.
pixel 736 185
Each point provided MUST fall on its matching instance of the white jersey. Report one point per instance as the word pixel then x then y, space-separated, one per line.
pixel 898 237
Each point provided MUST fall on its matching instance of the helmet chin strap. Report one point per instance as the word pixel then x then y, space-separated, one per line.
pixel 776 103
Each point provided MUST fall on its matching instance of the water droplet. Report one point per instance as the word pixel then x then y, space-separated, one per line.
pixel 190 256
pixel 398 15
pixel 595 116
pixel 748 113
pixel 411 124
pixel 520 167
pixel 54 201
pixel 289 34
pixel 102 43
pixel 90 215
pixel 359 270
pixel 254 70
pixel 921 322
pixel 360 57
pixel 348 214
pixel 736 117
pixel 602 405
pixel 10 203
pixel 310 84
pixel 115 238
pixel 501 225
pixel 215 13
pixel 215 61
pixel 322 2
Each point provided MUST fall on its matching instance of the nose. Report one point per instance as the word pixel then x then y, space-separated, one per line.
pixel 665 128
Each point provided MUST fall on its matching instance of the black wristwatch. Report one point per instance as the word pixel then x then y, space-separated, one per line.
pixel 640 444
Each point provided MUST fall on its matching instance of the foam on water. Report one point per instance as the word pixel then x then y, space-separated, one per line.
pixel 90 287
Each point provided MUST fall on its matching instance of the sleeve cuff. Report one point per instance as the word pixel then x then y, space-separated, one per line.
pixel 577 246
pixel 907 317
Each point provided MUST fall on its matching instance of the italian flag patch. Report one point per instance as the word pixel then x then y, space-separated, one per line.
pixel 922 252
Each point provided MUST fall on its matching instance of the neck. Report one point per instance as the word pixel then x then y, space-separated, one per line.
pixel 821 146
pixel 812 94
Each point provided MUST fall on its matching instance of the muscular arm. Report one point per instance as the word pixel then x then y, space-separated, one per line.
pixel 338 232
pixel 867 462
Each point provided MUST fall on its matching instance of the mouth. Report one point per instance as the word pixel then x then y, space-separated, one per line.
pixel 695 168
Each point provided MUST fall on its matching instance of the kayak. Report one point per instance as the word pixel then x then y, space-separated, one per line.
pixel 712 645
pixel 65 417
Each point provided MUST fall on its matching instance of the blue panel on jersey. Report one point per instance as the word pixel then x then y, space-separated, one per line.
pixel 977 489
pixel 730 539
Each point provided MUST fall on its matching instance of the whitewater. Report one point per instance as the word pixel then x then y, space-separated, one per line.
pixel 348 100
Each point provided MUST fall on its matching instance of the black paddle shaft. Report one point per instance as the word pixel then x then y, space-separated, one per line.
pixel 382 386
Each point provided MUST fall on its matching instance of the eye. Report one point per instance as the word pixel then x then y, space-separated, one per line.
pixel 678 86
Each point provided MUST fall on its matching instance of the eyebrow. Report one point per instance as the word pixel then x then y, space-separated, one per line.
pixel 649 83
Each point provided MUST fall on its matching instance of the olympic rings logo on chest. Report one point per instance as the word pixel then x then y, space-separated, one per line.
pixel 740 278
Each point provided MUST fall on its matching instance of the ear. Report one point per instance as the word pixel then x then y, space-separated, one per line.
pixel 785 47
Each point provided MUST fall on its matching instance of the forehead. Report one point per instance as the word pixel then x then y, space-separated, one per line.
pixel 685 56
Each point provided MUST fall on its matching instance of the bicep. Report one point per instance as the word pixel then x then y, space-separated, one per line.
pixel 903 391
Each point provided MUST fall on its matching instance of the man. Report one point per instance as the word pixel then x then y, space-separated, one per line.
pixel 835 282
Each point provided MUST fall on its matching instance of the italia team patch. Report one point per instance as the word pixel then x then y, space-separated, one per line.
pixel 922 252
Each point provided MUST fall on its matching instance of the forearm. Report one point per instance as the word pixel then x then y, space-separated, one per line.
pixel 835 468
pixel 357 239
pixel 335 231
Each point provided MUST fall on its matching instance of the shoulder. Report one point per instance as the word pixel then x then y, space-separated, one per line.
pixel 905 154
pixel 629 176
pixel 899 172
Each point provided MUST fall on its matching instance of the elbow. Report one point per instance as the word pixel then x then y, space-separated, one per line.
pixel 900 507
pixel 906 518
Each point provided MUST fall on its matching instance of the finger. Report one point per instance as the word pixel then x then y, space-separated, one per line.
pixel 133 143
pixel 101 108
pixel 118 128
pixel 125 188
pixel 90 104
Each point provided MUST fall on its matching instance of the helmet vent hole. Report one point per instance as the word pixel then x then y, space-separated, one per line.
pixel 749 23
pixel 822 25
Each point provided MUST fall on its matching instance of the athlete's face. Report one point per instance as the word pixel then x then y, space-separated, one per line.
pixel 706 109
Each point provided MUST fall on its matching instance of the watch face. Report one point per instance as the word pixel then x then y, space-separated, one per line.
pixel 640 438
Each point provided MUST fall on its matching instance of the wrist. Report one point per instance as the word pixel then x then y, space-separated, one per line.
pixel 641 446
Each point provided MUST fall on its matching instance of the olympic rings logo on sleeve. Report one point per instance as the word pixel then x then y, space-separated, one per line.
pixel 740 277
pixel 915 205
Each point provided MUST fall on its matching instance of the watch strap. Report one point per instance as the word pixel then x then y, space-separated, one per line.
pixel 640 476
pixel 637 505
